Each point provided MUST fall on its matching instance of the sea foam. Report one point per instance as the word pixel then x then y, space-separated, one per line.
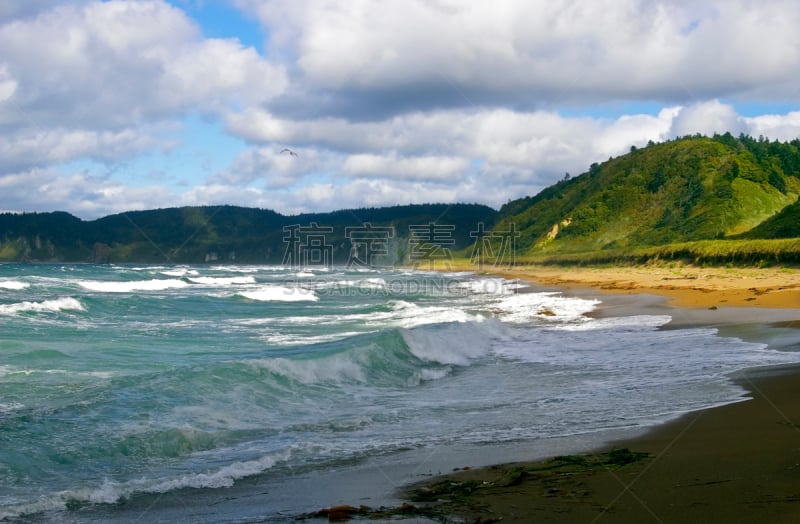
pixel 408 315
pixel 136 285
pixel 47 306
pixel 111 492
pixel 13 285
pixel 525 307
pixel 276 293
pixel 222 281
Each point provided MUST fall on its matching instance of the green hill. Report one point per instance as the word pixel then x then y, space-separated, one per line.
pixel 785 224
pixel 690 189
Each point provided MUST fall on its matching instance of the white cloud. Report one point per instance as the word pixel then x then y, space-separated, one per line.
pixel 707 118
pixel 41 189
pixel 776 127
pixel 117 63
pixel 11 10
pixel 537 53
pixel 428 168
pixel 438 144
pixel 55 145
pixel 88 69
pixel 277 169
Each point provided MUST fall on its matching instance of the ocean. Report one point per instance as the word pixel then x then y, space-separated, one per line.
pixel 156 392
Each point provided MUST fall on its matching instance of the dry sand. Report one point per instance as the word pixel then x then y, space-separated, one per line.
pixel 685 286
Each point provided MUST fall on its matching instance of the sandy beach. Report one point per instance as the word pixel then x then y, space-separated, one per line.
pixel 685 286
pixel 735 463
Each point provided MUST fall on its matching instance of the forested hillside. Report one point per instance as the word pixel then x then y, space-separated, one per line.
pixel 229 233
pixel 692 188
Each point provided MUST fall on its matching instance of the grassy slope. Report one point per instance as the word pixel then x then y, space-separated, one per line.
pixel 686 190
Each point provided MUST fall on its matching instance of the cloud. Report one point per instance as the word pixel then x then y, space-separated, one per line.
pixel 86 70
pixel 387 56
pixel 50 146
pixel 707 118
pixel 11 10
pixel 116 63
pixel 42 189
pixel 429 168
pixel 777 127
pixel 276 169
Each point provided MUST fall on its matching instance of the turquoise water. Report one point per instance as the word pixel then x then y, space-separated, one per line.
pixel 117 381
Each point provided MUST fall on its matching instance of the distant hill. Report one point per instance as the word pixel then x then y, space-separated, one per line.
pixel 689 189
pixel 233 234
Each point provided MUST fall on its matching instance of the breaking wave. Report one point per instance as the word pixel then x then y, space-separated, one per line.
pixel 46 306
pixel 136 285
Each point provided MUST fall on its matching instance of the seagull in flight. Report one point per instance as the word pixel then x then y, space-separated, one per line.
pixel 287 150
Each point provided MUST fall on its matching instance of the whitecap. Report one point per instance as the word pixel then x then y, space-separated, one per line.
pixel 280 294
pixel 136 285
pixel 13 285
pixel 407 315
pixel 241 269
pixel 47 306
pixel 297 339
pixel 222 281
pixel 181 272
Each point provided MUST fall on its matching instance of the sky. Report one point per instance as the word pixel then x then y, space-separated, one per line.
pixel 111 106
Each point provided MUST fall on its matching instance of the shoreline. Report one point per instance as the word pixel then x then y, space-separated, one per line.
pixel 683 286
pixel 738 462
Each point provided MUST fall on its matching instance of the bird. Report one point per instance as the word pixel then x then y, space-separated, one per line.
pixel 287 150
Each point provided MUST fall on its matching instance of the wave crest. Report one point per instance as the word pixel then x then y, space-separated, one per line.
pixel 13 285
pixel 135 285
pixel 47 306
pixel 280 294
